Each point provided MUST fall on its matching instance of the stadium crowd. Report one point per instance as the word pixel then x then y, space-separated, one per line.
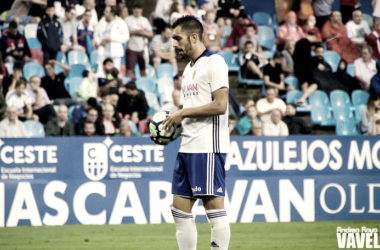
pixel 75 67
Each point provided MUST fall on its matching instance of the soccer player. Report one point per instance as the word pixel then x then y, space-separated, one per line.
pixel 199 169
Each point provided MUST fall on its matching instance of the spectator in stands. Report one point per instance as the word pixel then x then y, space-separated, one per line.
pixel 133 103
pixel 368 114
pixel 287 56
pixel 249 63
pixel 231 125
pixel 229 8
pixel 68 23
pixel 289 28
pixel 375 127
pixel 211 32
pixel 3 105
pixel 375 81
pixel 322 11
pixel 109 124
pixel 60 126
pixel 114 86
pixel 311 31
pixel 266 105
pixel 238 31
pixel 176 11
pixel 110 36
pixel 357 29
pixel 161 48
pixel 250 35
pixel 125 129
pixel 162 14
pixel 247 102
pixel 140 30
pixel 49 33
pixel 336 37
pixel 54 84
pixel 11 126
pixel 275 127
pixel 106 100
pixel 88 5
pixel 9 82
pixel 347 7
pixel 365 67
pixel 274 76
pixel 244 125
pixel 85 28
pixel 89 87
pixel 21 102
pixel 296 125
pixel 257 129
pixel 3 70
pixel 89 129
pixel 372 39
pixel 21 8
pixel 102 74
pixel 13 45
pixel 40 101
pixel 92 117
pixel 376 10
pixel 122 10
pixel 345 79
pixel 200 12
pixel 175 104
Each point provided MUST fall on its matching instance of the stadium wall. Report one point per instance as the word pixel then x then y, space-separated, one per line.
pixel 104 180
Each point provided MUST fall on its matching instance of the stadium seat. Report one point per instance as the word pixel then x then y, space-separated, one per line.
pixel 262 18
pixel 9 67
pixel 358 112
pixel 369 20
pixel 269 44
pixel 77 70
pixel 89 46
pixel 293 81
pixel 35 129
pixel 359 97
pixel 275 20
pixel 72 86
pixel 231 59
pixel 62 59
pixel 150 72
pixel 322 116
pixel 31 30
pixel 350 70
pixel 268 53
pixel 126 79
pixel 71 110
pixel 265 33
pixel 153 103
pixel 340 98
pixel 319 98
pixel 343 114
pixel 346 128
pixel 165 70
pixel 332 58
pixel 249 82
pixel 293 95
pixel 94 60
pixel 146 84
pixel 78 57
pixel 33 43
pixel 31 69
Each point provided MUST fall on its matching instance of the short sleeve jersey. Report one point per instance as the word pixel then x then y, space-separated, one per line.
pixel 204 134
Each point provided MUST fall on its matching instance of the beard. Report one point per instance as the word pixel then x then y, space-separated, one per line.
pixel 186 52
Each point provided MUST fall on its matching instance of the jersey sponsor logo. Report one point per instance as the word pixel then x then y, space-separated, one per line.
pixel 191 89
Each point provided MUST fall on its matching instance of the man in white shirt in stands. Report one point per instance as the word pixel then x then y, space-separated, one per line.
pixel 11 126
pixel 266 105
pixel 276 127
pixel 68 24
pixel 140 30
pixel 365 67
pixel 21 101
pixel 357 28
pixel 161 48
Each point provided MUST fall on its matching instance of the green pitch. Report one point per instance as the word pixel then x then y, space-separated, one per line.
pixel 292 236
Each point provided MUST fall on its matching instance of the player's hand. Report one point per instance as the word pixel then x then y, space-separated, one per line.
pixel 173 120
pixel 159 142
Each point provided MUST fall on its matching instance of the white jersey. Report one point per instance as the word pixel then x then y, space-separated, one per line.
pixel 204 134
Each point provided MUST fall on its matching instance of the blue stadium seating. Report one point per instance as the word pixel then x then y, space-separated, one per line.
pixel 231 59
pixel 343 114
pixel 293 81
pixel 346 128
pixel 322 116
pixel 268 53
pixel 369 19
pixel 9 67
pixel 166 70
pixel 72 86
pixel 146 84
pixel 332 58
pixel 78 57
pixel 31 68
pixel 319 98
pixel 250 82
pixel 77 70
pixel 94 60
pixel 62 59
pixel 150 72
pixel 293 95
pixel 275 20
pixel 359 97
pixel 35 129
pixel 265 33
pixel 269 44
pixel 153 103
pixel 262 18
pixel 89 46
pixel 358 112
pixel 71 110
pixel 126 79
pixel 33 43
pixel 350 70
pixel 340 98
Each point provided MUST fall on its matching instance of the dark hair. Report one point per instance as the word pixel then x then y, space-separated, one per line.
pixel 318 47
pixel 92 102
pixel 367 47
pixel 1 64
pixel 250 25
pixel 50 5
pixel 20 82
pixel 242 14
pixel 270 88
pixel 174 7
pixel 131 85
pixel 137 6
pixel 231 117
pixel 68 9
pixel 277 55
pixel 113 10
pixel 17 66
pixel 114 72
pixel 248 42
pixel 371 100
pixel 92 108
pixel 50 64
pixel 85 73
pixel 104 93
pixel 167 26
pixel 176 77
pixel 107 60
pixel 13 25
pixel 88 122
pixel 189 24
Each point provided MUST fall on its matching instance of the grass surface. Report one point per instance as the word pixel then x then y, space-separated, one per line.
pixel 292 236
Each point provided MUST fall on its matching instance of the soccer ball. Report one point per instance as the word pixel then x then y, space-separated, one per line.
pixel 157 130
